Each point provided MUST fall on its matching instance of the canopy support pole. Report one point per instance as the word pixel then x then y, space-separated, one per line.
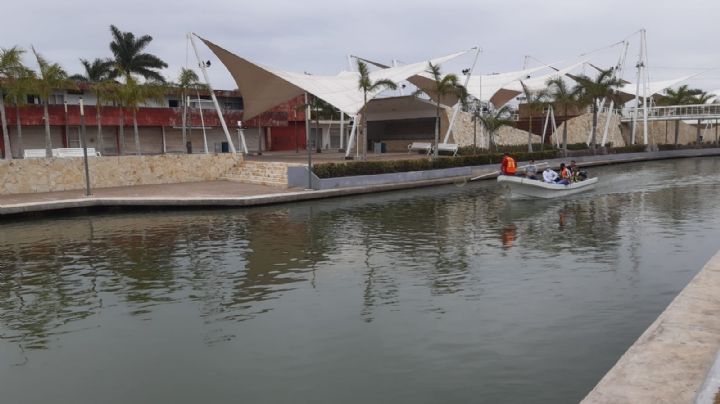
pixel 342 130
pixel 599 107
pixel 643 49
pixel 547 120
pixel 212 95
pixel 607 123
pixel 351 141
pixel 457 106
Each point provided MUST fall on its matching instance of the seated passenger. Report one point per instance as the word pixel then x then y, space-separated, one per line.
pixel 577 175
pixel 531 170
pixel 507 166
pixel 565 175
pixel 550 176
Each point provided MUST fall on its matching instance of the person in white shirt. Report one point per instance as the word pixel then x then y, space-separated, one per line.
pixel 550 176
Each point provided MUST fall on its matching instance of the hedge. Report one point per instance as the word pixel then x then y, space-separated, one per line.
pixel 332 170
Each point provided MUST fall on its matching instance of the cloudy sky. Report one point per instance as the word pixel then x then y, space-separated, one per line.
pixel 315 35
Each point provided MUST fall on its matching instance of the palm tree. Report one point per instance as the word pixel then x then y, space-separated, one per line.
pixel 96 74
pixel 10 66
pixel 493 120
pixel 366 84
pixel 133 94
pixel 684 95
pixel 188 80
pixel 51 77
pixel 17 92
pixel 128 56
pixel 535 101
pixel 565 97
pixel 591 91
pixel 443 86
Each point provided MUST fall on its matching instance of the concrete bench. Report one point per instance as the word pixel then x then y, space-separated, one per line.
pixel 61 152
pixel 420 147
pixel 34 153
pixel 448 148
pixel 74 152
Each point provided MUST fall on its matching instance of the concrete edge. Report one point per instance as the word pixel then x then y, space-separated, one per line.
pixel 247 201
pixel 670 361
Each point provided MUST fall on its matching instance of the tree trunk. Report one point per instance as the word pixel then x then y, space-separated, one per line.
pixel 474 136
pixel 565 133
pixel 594 125
pixel 364 128
pixel 318 134
pixel 697 134
pixel 135 130
pixel 6 134
pixel 677 132
pixel 19 129
pixel 48 140
pixel 121 133
pixel 437 129
pixel 184 120
pixel 530 149
pixel 98 118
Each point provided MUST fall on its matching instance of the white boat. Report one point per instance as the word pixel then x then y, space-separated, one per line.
pixel 526 188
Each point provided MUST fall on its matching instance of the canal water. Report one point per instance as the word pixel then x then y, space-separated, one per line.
pixel 438 295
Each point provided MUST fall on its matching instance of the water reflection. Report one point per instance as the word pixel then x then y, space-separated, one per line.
pixel 415 253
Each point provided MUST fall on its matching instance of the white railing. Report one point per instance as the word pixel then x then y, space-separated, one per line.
pixel 674 112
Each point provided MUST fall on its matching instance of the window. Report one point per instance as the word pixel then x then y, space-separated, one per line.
pixel 334 138
pixel 173 103
pixel 73 137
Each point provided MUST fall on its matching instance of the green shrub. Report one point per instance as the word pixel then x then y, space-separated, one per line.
pixel 332 170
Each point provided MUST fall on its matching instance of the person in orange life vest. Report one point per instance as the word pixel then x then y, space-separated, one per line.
pixel 565 175
pixel 507 166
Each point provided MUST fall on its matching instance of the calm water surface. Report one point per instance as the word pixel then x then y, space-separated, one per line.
pixel 440 295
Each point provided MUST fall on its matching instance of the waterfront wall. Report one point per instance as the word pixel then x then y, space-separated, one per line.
pixel 62 174
pixel 670 361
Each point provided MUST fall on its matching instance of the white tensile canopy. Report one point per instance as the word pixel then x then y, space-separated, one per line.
pixel 496 88
pixel 654 88
pixel 263 88
pixel 515 88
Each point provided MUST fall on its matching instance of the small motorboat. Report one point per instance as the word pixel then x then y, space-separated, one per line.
pixel 526 188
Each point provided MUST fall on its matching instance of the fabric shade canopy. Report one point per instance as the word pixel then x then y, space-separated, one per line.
pixel 515 88
pixel 263 88
pixel 627 91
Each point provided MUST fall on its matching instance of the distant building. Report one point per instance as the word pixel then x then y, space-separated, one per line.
pixel 159 125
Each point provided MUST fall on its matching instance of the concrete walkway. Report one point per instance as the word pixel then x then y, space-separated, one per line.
pixel 670 361
pixel 226 193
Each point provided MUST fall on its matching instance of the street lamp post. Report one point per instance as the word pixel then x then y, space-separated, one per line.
pixel 83 136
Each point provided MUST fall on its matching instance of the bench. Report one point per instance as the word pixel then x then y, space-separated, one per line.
pixel 61 152
pixel 34 153
pixel 74 152
pixel 420 147
pixel 448 148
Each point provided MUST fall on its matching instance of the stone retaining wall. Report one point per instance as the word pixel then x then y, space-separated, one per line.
pixel 62 174
pixel 259 172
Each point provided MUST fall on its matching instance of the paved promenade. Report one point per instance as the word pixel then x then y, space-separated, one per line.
pixel 227 193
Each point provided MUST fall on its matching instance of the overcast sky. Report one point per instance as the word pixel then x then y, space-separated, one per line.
pixel 315 36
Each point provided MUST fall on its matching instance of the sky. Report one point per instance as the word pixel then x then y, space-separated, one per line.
pixel 315 36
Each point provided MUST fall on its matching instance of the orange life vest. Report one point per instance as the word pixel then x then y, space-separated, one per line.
pixel 565 174
pixel 509 166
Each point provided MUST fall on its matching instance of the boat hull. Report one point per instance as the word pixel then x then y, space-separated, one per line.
pixel 525 188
